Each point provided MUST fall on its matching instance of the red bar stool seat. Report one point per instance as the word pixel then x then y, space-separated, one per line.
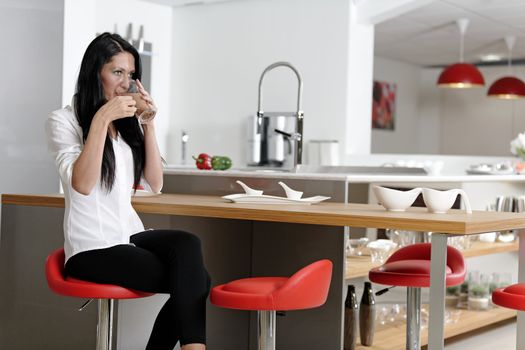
pixel 410 267
pixel 512 297
pixel 306 289
pixel 105 293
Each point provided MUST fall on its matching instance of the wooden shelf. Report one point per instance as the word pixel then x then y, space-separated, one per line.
pixel 358 266
pixel 392 335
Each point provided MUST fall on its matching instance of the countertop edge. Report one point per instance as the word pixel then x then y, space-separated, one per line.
pixel 351 178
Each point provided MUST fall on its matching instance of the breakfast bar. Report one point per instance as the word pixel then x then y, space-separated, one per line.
pixel 238 240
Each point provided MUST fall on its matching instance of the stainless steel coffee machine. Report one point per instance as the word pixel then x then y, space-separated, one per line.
pixel 275 138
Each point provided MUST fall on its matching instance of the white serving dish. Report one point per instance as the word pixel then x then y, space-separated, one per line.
pixel 249 190
pixel 290 193
pixel 490 169
pixel 264 199
pixel 439 202
pixel 395 200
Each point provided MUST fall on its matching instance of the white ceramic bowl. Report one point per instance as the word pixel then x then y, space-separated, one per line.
pixel 439 202
pixel 395 200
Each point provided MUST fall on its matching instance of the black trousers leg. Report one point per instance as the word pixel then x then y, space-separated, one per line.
pixel 163 261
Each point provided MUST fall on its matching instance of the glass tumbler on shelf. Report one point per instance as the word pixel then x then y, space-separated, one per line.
pixel 381 249
pixel 500 280
pixel 459 242
pixel 356 246
pixel 479 291
pixel 403 238
pixel 408 238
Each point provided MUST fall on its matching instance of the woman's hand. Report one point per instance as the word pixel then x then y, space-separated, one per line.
pixel 117 108
pixel 146 97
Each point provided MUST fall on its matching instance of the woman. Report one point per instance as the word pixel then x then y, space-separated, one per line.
pixel 101 153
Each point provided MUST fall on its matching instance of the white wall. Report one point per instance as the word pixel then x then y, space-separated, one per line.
pixel 431 120
pixel 114 15
pixel 404 137
pixel 31 87
pixel 472 123
pixel 219 52
pixel 429 113
pixel 360 67
pixel 79 30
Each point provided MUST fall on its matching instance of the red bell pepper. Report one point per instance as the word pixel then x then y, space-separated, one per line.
pixel 203 161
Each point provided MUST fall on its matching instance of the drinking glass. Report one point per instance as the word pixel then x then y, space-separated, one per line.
pixel 380 250
pixel 356 246
pixel 479 291
pixel 145 112
pixel 500 280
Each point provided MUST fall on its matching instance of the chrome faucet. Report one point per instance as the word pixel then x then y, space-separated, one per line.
pixel 184 141
pixel 297 136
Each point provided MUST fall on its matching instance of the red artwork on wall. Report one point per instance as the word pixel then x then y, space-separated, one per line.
pixel 383 105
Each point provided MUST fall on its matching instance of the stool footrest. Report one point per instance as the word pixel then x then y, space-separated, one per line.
pixel 85 305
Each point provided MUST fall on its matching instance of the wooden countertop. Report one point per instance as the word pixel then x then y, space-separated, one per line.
pixel 332 214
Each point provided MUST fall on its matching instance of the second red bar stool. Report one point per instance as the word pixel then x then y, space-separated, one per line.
pixel 511 297
pixel 410 267
pixel 305 289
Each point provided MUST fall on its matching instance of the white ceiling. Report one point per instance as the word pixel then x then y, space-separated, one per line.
pixel 429 36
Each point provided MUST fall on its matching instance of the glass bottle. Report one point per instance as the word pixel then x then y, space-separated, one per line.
pixel 351 307
pixel 367 316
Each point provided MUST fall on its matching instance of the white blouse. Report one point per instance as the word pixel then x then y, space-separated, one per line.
pixel 100 219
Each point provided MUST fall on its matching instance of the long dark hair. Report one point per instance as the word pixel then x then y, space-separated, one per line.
pixel 89 97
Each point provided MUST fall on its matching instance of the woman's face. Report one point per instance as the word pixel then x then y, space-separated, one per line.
pixel 116 74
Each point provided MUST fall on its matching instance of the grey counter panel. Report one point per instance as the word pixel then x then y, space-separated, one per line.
pixel 31 316
pixel 224 185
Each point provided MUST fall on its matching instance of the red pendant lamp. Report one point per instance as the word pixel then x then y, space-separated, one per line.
pixel 509 87
pixel 461 75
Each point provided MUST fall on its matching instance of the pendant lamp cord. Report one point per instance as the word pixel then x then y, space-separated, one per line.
pixel 510 41
pixel 462 25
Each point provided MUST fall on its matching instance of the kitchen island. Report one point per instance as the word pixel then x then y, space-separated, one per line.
pixel 239 240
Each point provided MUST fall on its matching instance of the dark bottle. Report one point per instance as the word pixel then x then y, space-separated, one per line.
pixel 367 316
pixel 351 307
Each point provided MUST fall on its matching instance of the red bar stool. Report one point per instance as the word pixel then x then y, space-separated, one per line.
pixel 410 267
pixel 512 297
pixel 105 293
pixel 306 289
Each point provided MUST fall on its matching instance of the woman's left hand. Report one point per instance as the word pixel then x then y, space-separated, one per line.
pixel 146 96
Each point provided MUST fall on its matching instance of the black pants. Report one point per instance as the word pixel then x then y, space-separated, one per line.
pixel 162 261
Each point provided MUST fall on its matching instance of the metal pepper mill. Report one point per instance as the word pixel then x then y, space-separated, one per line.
pixel 276 138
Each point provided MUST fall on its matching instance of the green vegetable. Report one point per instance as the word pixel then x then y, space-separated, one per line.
pixel 221 163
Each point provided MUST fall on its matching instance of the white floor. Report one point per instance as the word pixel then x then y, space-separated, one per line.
pixel 500 338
